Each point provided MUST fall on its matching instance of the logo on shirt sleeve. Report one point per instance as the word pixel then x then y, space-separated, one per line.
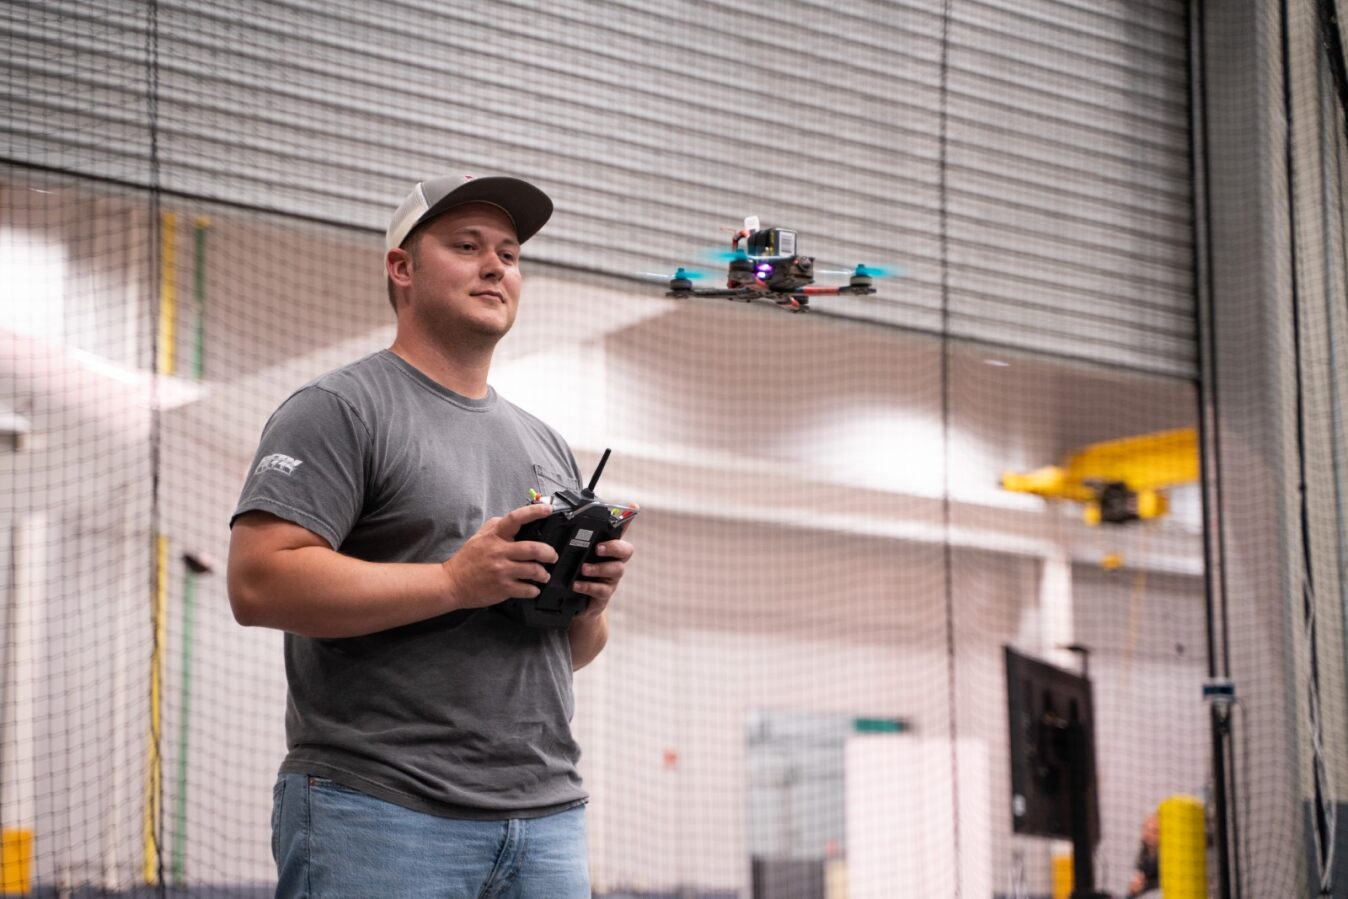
pixel 277 462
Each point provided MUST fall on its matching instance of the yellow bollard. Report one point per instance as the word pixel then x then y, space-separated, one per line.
pixel 154 773
pixel 1062 874
pixel 1183 849
pixel 16 862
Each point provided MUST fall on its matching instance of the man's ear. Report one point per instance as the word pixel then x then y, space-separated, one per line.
pixel 398 264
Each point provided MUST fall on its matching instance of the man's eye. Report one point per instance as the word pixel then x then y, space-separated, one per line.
pixel 467 246
pixel 508 257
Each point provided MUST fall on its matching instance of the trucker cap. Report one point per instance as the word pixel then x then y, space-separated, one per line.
pixel 528 207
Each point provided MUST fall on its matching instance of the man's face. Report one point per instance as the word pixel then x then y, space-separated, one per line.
pixel 465 274
pixel 1151 832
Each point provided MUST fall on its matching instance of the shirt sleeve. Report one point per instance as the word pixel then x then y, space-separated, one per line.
pixel 310 467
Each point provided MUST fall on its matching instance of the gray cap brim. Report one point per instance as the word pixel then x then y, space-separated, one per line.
pixel 528 207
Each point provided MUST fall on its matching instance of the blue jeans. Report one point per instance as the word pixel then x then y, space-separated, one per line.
pixel 331 841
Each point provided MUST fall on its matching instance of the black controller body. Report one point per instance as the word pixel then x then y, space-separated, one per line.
pixel 578 524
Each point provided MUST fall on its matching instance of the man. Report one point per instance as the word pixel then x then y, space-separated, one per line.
pixel 430 748
pixel 1147 868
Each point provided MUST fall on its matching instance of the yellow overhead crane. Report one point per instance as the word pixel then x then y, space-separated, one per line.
pixel 1118 480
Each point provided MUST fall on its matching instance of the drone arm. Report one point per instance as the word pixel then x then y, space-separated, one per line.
pixel 815 290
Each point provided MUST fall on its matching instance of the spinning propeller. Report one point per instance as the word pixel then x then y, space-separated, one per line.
pixel 683 274
pixel 874 272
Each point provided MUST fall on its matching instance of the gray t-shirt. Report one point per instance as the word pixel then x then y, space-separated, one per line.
pixel 464 715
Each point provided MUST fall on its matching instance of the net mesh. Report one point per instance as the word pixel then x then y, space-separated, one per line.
pixel 804 694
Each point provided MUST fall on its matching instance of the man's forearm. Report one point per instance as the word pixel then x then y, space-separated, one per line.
pixel 285 576
pixel 588 637
pixel 315 591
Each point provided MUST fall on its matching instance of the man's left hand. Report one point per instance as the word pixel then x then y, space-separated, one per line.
pixel 598 580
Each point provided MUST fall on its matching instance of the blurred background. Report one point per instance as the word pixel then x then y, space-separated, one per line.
pixel 1115 239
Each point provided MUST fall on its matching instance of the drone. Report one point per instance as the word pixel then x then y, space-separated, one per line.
pixel 767 267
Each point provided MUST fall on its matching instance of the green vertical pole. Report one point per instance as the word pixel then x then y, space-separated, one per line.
pixel 195 565
pixel 180 805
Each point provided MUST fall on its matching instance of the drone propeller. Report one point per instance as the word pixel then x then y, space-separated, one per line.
pixel 726 256
pixel 863 271
pixel 682 273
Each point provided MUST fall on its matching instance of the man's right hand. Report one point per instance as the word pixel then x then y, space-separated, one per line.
pixel 492 567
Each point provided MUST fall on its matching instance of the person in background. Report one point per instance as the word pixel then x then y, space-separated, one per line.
pixel 1147 868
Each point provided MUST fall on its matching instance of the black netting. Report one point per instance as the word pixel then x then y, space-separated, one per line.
pixel 1096 220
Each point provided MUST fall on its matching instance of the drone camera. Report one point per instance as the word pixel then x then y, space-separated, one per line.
pixel 772 242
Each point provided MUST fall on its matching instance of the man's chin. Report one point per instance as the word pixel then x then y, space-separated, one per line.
pixel 486 329
pixel 486 325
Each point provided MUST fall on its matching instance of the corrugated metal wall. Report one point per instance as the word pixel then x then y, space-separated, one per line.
pixel 655 125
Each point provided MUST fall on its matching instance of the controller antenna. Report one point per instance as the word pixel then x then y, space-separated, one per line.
pixel 603 460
